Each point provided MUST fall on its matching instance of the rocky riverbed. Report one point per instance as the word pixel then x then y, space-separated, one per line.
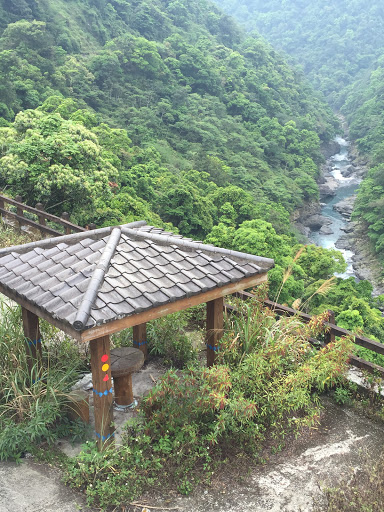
pixel 328 222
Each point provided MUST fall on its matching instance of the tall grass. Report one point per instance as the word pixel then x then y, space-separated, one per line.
pixel 30 407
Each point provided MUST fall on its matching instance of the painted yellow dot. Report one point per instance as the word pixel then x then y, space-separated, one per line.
pixel 105 367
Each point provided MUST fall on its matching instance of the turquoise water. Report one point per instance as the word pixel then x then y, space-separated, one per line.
pixel 347 187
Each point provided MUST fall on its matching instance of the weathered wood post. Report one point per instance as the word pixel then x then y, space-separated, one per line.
pixel 33 340
pixel 41 218
pixel 102 389
pixel 2 206
pixel 215 324
pixel 140 338
pixel 65 216
pixel 330 336
pixel 19 209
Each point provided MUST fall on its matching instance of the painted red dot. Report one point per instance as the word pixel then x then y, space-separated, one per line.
pixel 106 378
pixel 104 358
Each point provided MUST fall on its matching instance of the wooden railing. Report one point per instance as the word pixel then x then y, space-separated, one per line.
pixel 333 331
pixel 38 218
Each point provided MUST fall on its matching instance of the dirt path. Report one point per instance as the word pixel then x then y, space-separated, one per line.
pixel 290 482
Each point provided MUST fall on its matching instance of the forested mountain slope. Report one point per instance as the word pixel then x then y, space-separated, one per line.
pixel 340 45
pixel 190 88
pixel 337 42
pixel 167 111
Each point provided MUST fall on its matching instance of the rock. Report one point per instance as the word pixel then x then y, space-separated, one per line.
pixel 84 383
pixel 315 222
pixel 303 230
pixel 326 230
pixel 348 171
pixel 342 243
pixel 345 207
pixel 326 191
pixel 330 148
pixel 349 227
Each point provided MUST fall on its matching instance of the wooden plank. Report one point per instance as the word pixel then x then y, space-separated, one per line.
pixel 102 390
pixel 172 307
pixel 140 338
pixel 33 343
pixel 40 313
pixel 23 207
pixel 29 222
pixel 362 341
pixel 215 324
pixel 366 365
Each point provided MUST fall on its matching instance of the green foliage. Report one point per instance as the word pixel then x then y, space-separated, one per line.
pixel 32 403
pixel 167 338
pixel 193 416
pixel 342 396
pixel 341 51
pixel 350 319
pixel 180 76
pixel 334 43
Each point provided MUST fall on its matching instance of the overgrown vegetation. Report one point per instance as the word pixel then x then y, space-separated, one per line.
pixel 340 46
pixel 265 386
pixel 33 401
pixel 176 121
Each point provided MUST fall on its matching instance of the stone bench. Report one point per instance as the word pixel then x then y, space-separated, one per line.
pixel 124 362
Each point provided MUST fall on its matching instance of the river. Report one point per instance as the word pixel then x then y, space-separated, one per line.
pixel 346 187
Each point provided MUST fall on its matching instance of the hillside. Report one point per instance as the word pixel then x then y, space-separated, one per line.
pixel 340 46
pixel 192 91
pixel 337 44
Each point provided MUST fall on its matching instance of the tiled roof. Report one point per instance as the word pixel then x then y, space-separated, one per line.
pixel 91 278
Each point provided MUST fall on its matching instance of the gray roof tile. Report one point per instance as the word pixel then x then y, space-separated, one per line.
pixel 143 272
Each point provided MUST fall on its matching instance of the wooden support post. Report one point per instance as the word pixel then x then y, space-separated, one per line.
pixel 41 218
pixel 65 216
pixel 140 338
pixel 330 336
pixel 33 340
pixel 102 389
pixel 215 324
pixel 19 209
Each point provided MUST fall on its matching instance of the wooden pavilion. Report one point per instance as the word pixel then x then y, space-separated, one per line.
pixel 95 283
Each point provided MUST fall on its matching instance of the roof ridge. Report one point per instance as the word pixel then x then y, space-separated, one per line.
pixel 92 233
pixel 188 245
pixel 96 280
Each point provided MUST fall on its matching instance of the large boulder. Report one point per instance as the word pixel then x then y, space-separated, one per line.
pixel 345 207
pixel 326 190
pixel 315 222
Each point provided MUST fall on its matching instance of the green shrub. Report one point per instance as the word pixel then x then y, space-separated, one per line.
pixel 32 403
pixel 167 338
pixel 342 396
pixel 192 418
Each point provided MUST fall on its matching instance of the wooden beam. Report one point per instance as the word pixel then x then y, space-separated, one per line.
pixel 33 343
pixel 40 313
pixel 102 389
pixel 367 365
pixel 215 324
pixel 140 338
pixel 23 220
pixel 172 307
pixel 21 207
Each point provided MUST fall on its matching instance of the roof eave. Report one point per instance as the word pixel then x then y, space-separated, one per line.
pixel 114 326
